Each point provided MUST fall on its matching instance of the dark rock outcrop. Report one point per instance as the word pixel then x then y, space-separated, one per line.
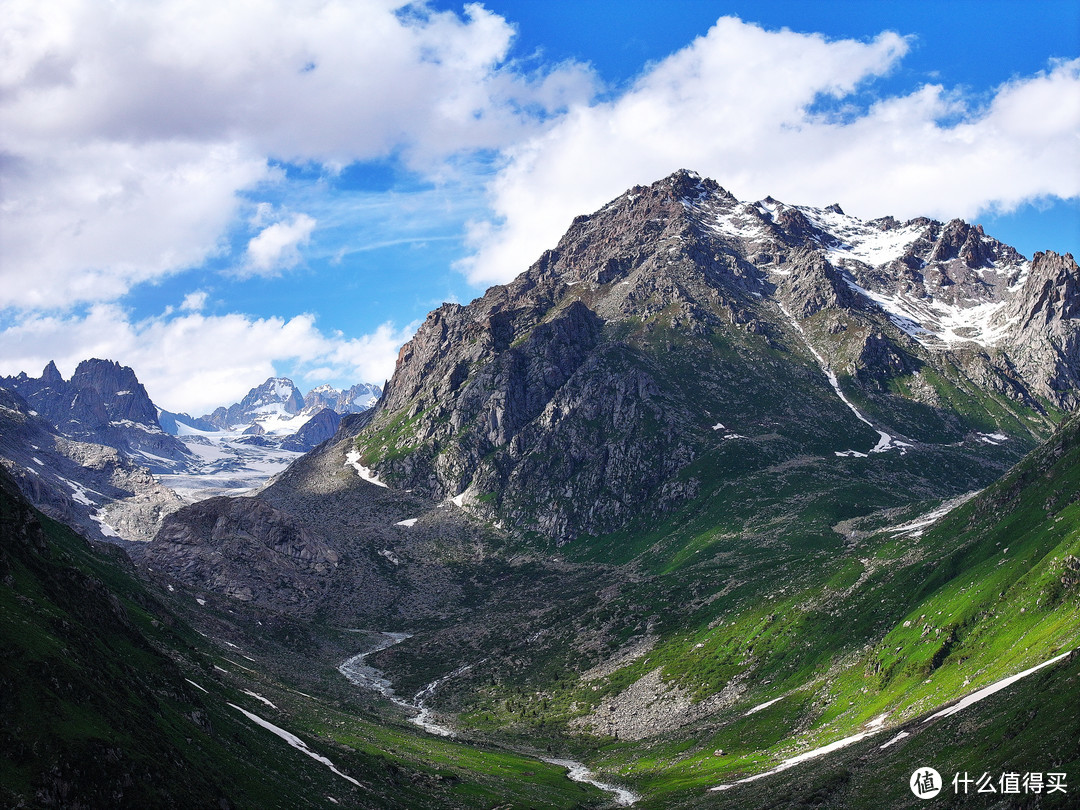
pixel 315 431
pixel 103 403
pixel 276 552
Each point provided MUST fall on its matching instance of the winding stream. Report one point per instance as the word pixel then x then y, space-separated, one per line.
pixel 366 676
pixel 578 772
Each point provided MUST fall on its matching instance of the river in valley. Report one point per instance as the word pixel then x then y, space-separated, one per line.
pixel 365 676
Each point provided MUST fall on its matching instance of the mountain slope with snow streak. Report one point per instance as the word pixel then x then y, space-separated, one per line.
pixel 942 283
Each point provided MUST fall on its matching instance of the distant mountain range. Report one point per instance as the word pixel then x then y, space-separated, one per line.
pixel 277 407
pixel 98 440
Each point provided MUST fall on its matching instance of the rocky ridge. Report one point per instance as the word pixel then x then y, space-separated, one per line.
pixel 103 403
pixel 278 412
pixel 578 396
pixel 355 399
pixel 92 487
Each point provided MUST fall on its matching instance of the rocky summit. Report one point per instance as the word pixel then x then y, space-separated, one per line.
pixel 278 396
pixel 677 319
pixel 104 403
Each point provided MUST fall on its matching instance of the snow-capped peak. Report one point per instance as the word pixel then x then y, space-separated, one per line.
pixel 942 283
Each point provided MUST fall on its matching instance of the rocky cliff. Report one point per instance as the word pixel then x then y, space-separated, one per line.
pixel 103 403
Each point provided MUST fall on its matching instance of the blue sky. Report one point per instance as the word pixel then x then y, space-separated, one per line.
pixel 213 193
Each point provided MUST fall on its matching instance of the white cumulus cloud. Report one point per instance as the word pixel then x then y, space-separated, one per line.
pixel 86 222
pixel 743 105
pixel 277 246
pixel 194 362
pixel 194 302
pixel 129 128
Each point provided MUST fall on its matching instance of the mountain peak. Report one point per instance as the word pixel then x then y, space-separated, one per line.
pixel 355 399
pixel 689 185
pixel 105 403
pixel 275 397
pixel 667 302
pixel 51 374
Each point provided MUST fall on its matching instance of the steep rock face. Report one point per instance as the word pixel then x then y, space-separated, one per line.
pixel 1044 336
pixel 554 418
pixel 118 389
pixel 103 403
pixel 92 487
pixel 583 393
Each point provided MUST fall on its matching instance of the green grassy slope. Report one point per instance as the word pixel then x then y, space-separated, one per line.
pixel 874 622
pixel 107 699
pixel 1032 726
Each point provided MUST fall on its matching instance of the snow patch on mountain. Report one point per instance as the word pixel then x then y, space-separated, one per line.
pixel 862 241
pixel 294 741
pixel 916 527
pixel 79 492
pixel 985 692
pixel 793 761
pixel 938 312
pixel 353 459
pixel 764 705
pixel 934 323
pixel 886 441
